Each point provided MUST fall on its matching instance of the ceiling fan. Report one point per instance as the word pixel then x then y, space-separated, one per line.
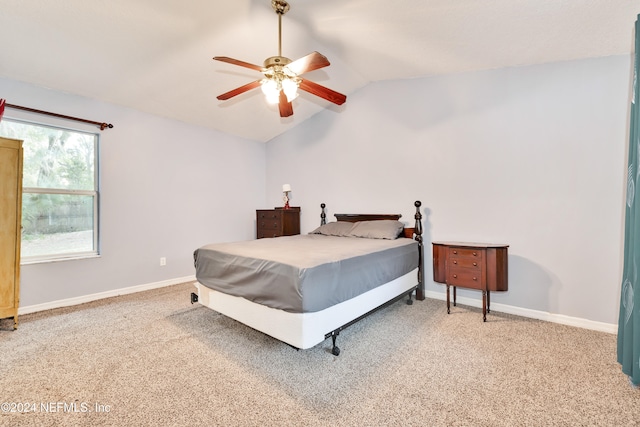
pixel 282 76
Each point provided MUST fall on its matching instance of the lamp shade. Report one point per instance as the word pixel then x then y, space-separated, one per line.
pixel 286 187
pixel 271 90
pixel 290 89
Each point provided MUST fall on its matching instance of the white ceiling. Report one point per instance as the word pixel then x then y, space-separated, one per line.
pixel 156 55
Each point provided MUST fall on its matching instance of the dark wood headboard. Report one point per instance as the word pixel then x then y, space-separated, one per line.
pixel 408 231
pixel 366 217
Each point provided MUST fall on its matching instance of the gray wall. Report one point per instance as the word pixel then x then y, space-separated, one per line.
pixel 166 189
pixel 533 157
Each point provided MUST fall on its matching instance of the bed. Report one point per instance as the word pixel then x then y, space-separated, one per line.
pixel 307 288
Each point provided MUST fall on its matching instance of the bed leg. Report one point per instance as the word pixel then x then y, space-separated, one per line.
pixel 410 300
pixel 335 350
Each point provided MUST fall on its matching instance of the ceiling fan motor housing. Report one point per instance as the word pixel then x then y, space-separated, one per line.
pixel 276 60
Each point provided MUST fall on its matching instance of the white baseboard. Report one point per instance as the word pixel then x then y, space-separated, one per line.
pixel 503 308
pixel 101 295
pixel 533 314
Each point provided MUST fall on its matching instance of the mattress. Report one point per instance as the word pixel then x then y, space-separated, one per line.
pixel 303 273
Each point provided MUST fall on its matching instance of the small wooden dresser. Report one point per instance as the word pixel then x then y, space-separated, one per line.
pixel 481 266
pixel 277 222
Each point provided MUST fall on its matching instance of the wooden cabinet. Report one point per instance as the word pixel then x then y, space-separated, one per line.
pixel 277 222
pixel 480 266
pixel 10 217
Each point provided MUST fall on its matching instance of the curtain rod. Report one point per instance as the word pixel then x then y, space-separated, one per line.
pixel 102 125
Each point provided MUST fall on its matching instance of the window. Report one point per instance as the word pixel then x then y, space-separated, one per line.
pixel 59 191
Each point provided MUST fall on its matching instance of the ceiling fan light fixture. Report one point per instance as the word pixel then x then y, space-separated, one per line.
pixel 279 78
pixel 290 88
pixel 270 90
pixel 271 87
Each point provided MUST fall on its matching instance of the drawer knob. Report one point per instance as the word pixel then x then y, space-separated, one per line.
pixel 455 261
pixel 475 278
pixel 455 276
pixel 455 252
pixel 475 264
pixel 475 254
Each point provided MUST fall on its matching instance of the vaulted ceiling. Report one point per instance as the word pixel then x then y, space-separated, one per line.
pixel 156 55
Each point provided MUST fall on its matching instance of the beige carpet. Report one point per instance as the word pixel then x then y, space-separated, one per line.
pixel 153 359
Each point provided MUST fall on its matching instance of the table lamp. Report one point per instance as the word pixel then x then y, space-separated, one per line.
pixel 286 189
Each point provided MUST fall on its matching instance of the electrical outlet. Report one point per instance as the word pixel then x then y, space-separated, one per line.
pixel 163 261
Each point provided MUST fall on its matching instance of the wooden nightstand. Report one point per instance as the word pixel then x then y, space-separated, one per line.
pixel 277 222
pixel 481 266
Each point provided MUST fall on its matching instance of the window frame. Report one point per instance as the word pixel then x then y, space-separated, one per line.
pixel 95 194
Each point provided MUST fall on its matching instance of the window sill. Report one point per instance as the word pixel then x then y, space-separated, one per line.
pixel 59 259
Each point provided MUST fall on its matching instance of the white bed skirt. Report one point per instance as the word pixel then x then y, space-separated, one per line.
pixel 303 330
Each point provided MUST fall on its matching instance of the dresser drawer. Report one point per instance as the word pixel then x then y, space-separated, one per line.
pixel 269 225
pixel 262 233
pixel 269 215
pixel 465 277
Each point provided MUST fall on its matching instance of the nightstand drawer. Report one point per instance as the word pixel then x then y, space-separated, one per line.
pixel 465 277
pixel 465 253
pixel 466 262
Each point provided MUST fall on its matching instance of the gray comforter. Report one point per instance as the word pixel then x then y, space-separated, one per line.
pixel 303 273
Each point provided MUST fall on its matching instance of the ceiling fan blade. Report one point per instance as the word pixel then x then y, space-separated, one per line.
pixel 286 109
pixel 238 62
pixel 239 90
pixel 322 92
pixel 311 62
